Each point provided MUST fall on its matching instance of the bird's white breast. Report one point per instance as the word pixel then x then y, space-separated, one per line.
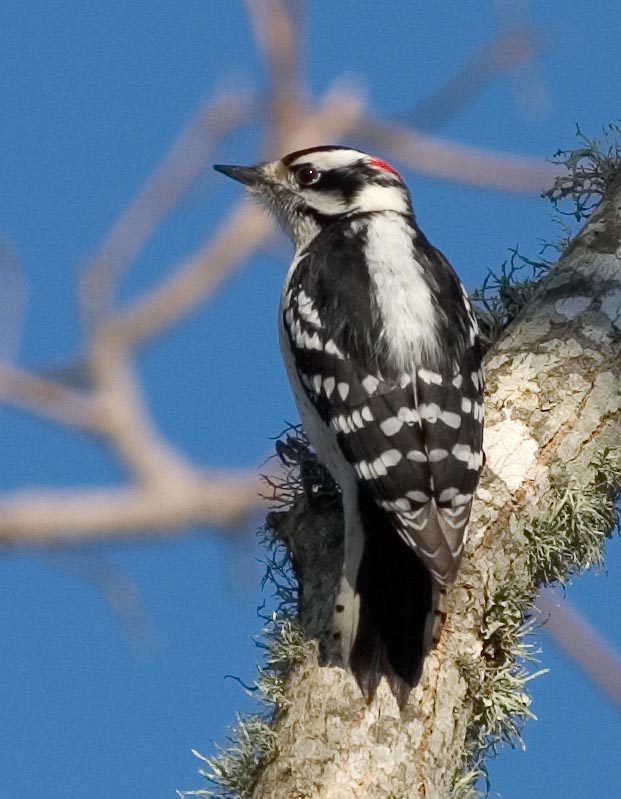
pixel 402 292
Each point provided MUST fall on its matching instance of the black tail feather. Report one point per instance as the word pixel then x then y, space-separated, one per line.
pixel 395 592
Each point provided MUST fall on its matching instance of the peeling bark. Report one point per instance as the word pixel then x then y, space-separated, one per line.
pixel 553 403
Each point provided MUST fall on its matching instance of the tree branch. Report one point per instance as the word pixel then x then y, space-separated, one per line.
pixel 173 176
pixel 545 505
pixel 510 49
pixel 49 398
pixel 584 645
pixel 276 31
pixel 245 230
pixel 67 517
pixel 447 160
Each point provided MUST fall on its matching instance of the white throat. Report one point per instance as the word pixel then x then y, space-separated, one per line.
pixel 402 291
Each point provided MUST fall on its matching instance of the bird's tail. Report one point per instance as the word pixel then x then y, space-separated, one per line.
pixel 398 609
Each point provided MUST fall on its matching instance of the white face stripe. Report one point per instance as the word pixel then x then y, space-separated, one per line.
pixel 329 159
pixel 324 203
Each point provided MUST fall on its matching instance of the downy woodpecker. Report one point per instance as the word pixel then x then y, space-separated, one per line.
pixel 382 352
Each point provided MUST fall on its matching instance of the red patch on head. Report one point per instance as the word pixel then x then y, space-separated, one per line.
pixel 383 165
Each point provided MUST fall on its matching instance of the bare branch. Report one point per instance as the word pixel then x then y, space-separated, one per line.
pixel 118 590
pixel 244 231
pixel 49 398
pixel 13 291
pixel 68 517
pixel 447 160
pixel 526 83
pixel 127 423
pixel 336 116
pixel 275 27
pixel 582 644
pixel 178 170
pixel 510 49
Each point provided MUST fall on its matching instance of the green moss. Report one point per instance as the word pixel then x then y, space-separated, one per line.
pixel 571 536
pixel 285 646
pixel 235 768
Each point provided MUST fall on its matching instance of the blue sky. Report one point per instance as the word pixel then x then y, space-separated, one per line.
pixel 92 95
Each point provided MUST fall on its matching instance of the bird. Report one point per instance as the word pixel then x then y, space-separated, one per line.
pixel 382 352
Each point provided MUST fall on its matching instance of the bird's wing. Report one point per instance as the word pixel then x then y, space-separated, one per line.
pixel 414 439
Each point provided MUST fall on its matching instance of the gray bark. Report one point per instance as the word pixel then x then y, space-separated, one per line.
pixel 553 407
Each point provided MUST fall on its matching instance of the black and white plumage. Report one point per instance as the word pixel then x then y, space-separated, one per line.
pixel 381 349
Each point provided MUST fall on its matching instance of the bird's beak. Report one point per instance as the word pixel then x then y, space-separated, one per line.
pixel 248 175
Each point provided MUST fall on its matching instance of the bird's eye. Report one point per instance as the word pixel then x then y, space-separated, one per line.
pixel 307 175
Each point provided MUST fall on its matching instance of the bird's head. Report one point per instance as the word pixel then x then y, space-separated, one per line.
pixel 311 188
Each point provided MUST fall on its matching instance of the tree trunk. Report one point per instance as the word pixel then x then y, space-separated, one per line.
pixel 544 506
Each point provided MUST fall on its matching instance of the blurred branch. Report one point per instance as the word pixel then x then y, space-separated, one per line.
pixel 529 89
pixel 275 26
pixel 77 516
pixel 459 163
pixel 245 229
pixel 48 398
pixel 13 290
pixel 582 644
pixel 510 49
pixel 117 589
pixel 164 491
pixel 178 170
